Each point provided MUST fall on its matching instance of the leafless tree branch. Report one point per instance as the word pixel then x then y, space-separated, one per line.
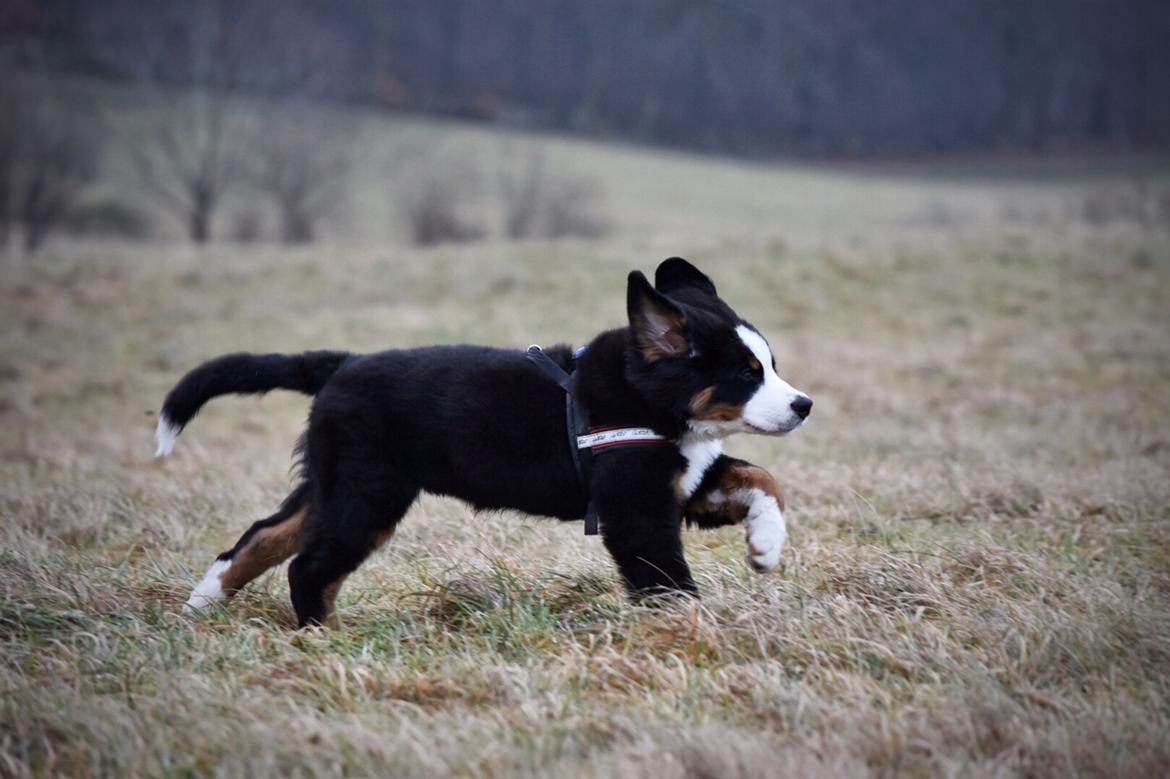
pixel 48 155
pixel 301 161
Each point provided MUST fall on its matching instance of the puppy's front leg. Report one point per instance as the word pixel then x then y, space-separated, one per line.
pixel 641 522
pixel 737 491
pixel 766 530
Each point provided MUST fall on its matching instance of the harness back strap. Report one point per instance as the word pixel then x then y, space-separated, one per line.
pixel 555 372
pixel 576 420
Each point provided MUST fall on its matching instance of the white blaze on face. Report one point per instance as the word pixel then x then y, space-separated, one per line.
pixel 770 409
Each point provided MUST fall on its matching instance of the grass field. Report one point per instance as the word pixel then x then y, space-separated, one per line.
pixel 978 570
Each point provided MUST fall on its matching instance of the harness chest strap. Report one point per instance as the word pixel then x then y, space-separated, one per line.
pixel 585 441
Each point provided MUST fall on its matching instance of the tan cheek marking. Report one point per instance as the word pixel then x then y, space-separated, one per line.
pixel 271 546
pixel 721 412
pixel 702 408
pixel 701 399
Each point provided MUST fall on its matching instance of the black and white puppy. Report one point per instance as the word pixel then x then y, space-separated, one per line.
pixel 487 426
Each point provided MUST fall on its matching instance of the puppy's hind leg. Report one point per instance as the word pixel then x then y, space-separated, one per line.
pixel 269 542
pixel 341 535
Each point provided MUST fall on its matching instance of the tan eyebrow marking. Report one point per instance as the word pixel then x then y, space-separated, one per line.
pixel 752 361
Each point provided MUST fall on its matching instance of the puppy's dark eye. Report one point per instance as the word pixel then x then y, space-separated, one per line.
pixel 747 374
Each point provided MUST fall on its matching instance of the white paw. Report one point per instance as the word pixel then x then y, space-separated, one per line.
pixel 766 532
pixel 210 590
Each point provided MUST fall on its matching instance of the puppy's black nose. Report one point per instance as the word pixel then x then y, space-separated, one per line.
pixel 802 406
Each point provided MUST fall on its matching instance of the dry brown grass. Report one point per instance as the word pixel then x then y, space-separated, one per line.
pixel 979 563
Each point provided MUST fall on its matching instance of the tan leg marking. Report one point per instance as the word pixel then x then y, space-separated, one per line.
pixel 330 598
pixel 716 504
pixel 751 477
pixel 765 530
pixel 748 494
pixel 269 547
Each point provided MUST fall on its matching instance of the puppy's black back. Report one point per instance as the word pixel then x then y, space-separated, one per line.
pixel 477 423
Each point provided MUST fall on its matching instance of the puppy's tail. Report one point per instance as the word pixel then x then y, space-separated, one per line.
pixel 245 374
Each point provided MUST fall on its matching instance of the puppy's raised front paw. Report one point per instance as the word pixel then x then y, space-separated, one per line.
pixel 766 533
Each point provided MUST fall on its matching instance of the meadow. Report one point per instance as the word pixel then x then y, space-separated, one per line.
pixel 977 575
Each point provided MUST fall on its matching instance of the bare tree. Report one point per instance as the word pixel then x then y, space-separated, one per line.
pixel 537 202
pixel 436 209
pixel 573 209
pixel 48 155
pixel 301 160
pixel 187 157
pixel 188 160
pixel 521 192
pixel 435 215
pixel 204 59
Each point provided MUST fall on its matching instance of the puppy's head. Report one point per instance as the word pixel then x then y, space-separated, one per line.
pixel 693 356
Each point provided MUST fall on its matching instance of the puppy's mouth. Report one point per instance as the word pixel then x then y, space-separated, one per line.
pixel 780 431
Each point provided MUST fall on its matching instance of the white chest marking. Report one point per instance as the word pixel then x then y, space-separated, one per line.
pixel 700 453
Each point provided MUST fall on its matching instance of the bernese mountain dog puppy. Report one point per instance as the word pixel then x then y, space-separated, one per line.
pixel 493 428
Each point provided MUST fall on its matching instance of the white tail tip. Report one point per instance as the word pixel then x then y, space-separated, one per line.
pixel 165 435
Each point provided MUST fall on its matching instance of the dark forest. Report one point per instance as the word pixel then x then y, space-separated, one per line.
pixel 805 77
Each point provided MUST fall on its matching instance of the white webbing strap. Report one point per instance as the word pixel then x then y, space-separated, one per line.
pixel 620 435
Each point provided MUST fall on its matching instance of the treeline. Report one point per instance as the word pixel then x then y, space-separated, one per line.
pixel 226 164
pixel 755 76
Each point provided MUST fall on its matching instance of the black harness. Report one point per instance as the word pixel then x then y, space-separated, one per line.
pixel 587 442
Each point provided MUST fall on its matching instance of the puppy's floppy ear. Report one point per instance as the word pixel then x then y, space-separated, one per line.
pixel 676 273
pixel 658 325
